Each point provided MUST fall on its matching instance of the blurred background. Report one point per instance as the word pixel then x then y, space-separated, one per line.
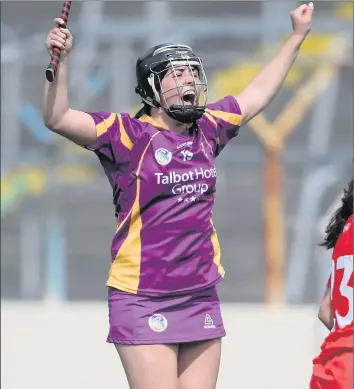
pixel 278 182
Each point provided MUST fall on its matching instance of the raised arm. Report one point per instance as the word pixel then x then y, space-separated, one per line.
pixel 58 117
pixel 263 88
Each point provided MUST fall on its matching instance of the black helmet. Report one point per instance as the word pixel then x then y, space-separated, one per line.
pixel 151 68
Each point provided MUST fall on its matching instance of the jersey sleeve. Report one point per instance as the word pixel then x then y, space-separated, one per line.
pixel 116 134
pixel 223 118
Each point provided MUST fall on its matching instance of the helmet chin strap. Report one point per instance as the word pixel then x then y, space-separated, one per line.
pixel 185 115
pixel 151 81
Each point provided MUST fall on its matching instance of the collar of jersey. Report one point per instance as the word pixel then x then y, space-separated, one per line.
pixel 148 119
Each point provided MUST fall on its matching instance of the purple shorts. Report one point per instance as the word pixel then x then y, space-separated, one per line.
pixel 138 320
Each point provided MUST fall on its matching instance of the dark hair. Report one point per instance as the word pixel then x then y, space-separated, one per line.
pixel 339 218
pixel 145 110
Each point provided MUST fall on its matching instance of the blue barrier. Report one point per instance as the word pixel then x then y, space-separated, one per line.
pixel 55 258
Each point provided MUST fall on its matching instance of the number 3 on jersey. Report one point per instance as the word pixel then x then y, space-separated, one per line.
pixel 342 290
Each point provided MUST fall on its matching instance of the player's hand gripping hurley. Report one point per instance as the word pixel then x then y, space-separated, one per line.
pixel 56 51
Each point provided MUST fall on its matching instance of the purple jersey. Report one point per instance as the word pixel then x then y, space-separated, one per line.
pixel 163 188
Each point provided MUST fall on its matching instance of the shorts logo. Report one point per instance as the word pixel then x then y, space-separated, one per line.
pixel 163 156
pixel 157 322
pixel 208 322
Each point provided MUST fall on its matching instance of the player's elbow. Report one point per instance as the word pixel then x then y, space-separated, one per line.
pixel 321 315
pixel 325 316
pixel 49 124
pixel 52 123
pixel 54 120
pixel 325 310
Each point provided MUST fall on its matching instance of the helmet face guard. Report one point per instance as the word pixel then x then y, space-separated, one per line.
pixel 152 68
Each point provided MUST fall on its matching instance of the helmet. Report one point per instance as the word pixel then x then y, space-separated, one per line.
pixel 151 68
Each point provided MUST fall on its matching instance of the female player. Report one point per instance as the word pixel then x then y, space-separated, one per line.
pixel 333 368
pixel 164 311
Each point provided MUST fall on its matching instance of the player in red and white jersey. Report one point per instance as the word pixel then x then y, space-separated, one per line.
pixel 333 367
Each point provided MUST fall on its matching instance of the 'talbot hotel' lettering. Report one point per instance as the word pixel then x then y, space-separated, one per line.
pixel 192 175
pixel 183 182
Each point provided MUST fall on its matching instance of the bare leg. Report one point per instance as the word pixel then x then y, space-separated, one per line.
pixel 150 366
pixel 198 364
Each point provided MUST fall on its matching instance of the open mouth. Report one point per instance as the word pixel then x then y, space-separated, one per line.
pixel 189 98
